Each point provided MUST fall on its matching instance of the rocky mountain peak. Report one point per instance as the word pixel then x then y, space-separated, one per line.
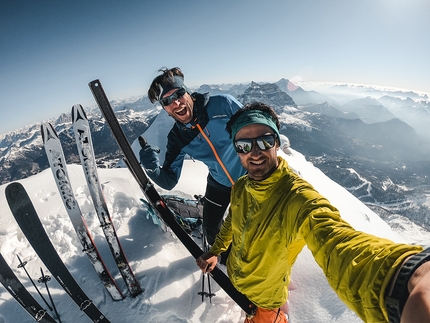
pixel 269 93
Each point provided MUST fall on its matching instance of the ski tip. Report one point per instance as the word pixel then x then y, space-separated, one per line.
pixel 95 83
pixel 78 112
pixel 42 131
pixel 13 187
pixel 14 192
pixel 48 131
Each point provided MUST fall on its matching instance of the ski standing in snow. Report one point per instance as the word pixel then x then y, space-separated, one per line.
pixel 84 144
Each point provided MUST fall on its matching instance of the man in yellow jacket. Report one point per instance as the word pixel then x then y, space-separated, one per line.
pixel 274 213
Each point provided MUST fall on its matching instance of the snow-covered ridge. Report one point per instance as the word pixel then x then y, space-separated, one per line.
pixel 161 264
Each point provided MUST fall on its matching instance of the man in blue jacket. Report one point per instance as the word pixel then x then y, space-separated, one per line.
pixel 199 131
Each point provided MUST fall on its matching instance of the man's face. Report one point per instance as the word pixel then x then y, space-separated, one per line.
pixel 260 164
pixel 180 109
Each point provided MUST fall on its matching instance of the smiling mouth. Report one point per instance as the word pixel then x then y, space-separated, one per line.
pixel 257 163
pixel 181 112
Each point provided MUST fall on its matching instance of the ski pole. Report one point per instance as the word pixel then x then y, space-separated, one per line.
pixel 204 245
pixel 204 276
pixel 206 249
pixel 203 288
pixel 22 265
pixel 210 294
pixel 45 279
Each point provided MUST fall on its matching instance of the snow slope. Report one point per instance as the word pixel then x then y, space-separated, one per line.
pixel 162 265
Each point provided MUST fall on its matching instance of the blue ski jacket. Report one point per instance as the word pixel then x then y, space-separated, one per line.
pixel 204 139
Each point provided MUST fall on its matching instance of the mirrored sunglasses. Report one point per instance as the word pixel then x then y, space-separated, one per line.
pixel 175 96
pixel 244 146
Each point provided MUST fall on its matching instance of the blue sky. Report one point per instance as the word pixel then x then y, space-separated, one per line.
pixel 51 50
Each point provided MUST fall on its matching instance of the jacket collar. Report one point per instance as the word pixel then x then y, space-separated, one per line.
pixel 260 188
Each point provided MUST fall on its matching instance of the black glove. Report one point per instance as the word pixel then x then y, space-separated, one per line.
pixel 149 159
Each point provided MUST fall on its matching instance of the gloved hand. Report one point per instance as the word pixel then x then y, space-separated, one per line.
pixel 149 159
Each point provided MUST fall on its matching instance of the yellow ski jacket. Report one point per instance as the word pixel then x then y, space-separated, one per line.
pixel 270 221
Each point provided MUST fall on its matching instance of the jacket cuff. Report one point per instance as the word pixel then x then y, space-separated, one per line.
pixel 395 302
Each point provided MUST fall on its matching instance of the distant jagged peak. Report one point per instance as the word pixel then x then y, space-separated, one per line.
pixel 265 86
pixel 268 88
pixel 288 86
pixel 268 93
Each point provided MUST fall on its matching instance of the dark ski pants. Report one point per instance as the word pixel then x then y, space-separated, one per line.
pixel 217 199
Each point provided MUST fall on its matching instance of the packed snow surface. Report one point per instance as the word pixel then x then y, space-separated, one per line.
pixel 163 266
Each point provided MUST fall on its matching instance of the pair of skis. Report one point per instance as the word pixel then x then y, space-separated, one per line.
pixel 57 161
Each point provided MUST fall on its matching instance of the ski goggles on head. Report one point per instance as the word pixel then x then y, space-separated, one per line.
pixel 265 142
pixel 174 96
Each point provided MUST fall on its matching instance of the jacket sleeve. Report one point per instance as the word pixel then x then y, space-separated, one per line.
pixel 224 237
pixel 167 176
pixel 166 179
pixel 358 266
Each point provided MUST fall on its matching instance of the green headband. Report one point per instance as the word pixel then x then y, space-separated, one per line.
pixel 252 117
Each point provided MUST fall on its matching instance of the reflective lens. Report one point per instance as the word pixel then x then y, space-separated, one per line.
pixel 176 95
pixel 265 142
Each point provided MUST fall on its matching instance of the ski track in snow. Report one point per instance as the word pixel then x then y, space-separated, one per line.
pixel 162 265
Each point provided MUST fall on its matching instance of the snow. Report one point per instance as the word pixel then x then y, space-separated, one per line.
pixel 162 265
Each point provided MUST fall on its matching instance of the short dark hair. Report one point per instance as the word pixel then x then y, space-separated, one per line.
pixel 167 77
pixel 253 106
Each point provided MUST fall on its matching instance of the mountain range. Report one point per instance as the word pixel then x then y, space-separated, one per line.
pixel 372 142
